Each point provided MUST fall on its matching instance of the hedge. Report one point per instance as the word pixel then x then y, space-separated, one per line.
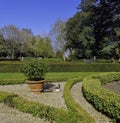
pixel 103 99
pixel 72 105
pixel 75 113
pixel 5 68
pixel 67 67
pixel 40 110
pixel 109 67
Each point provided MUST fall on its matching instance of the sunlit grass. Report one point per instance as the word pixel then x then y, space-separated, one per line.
pixel 51 76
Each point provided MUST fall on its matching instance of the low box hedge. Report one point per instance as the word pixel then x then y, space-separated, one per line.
pixel 11 81
pixel 72 105
pixel 40 110
pixel 103 99
pixel 66 67
pixel 6 68
pixel 75 113
pixel 104 67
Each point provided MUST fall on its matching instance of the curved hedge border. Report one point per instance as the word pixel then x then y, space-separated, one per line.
pixel 40 110
pixel 74 114
pixel 103 100
pixel 72 105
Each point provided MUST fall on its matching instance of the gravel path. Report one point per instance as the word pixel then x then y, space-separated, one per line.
pixel 54 98
pixel 77 94
pixel 11 115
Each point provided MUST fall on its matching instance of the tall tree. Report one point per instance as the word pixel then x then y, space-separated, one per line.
pixel 106 24
pixel 43 47
pixel 57 34
pixel 26 41
pixel 12 35
pixel 90 27
pixel 2 46
pixel 79 35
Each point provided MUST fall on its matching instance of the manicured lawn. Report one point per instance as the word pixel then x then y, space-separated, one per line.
pixel 63 76
pixel 11 76
pixel 51 76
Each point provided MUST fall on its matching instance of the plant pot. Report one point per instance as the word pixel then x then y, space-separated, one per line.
pixel 36 87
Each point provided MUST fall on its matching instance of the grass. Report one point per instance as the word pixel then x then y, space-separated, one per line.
pixel 11 75
pixel 51 76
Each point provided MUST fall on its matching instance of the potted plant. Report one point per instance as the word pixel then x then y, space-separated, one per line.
pixel 35 73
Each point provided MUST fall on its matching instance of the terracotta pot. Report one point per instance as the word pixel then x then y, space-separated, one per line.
pixel 36 87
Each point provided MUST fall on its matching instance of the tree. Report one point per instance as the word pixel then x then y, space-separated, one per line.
pixel 2 46
pixel 48 51
pixel 106 24
pixel 89 31
pixel 11 35
pixel 57 35
pixel 43 47
pixel 27 42
pixel 79 35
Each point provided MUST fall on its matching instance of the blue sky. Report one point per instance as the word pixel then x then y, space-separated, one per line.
pixel 38 15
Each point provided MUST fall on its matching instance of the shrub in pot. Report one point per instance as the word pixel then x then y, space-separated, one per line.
pixel 35 73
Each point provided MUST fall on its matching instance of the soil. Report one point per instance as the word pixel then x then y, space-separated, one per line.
pixel 113 86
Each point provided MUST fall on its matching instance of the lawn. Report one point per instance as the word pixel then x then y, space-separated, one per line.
pixel 51 76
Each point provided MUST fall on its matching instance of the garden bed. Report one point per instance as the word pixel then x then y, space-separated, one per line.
pixel 53 98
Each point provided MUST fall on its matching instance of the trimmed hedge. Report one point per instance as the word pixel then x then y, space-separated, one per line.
pixel 4 96
pixel 103 99
pixel 106 67
pixel 74 114
pixel 72 105
pixel 67 67
pixel 6 68
pixel 11 81
pixel 40 110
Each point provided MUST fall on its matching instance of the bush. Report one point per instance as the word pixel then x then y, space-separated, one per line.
pixel 74 114
pixel 35 70
pixel 104 100
pixel 39 110
pixel 65 67
pixel 109 67
pixel 72 105
pixel 11 81
pixel 5 68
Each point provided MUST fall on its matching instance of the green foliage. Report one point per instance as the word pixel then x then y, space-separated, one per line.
pixel 3 96
pixel 19 78
pixel 55 66
pixel 90 30
pixel 12 81
pixel 43 47
pixel 48 112
pixel 9 67
pixel 72 105
pixel 35 70
pixel 104 100
pixel 40 110
pixel 12 78
pixel 103 67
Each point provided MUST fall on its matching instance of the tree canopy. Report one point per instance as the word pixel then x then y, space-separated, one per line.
pixel 94 28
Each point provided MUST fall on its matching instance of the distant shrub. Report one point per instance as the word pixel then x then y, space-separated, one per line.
pixel 65 67
pixel 109 67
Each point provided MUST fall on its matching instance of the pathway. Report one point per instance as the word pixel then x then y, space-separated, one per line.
pixel 77 94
